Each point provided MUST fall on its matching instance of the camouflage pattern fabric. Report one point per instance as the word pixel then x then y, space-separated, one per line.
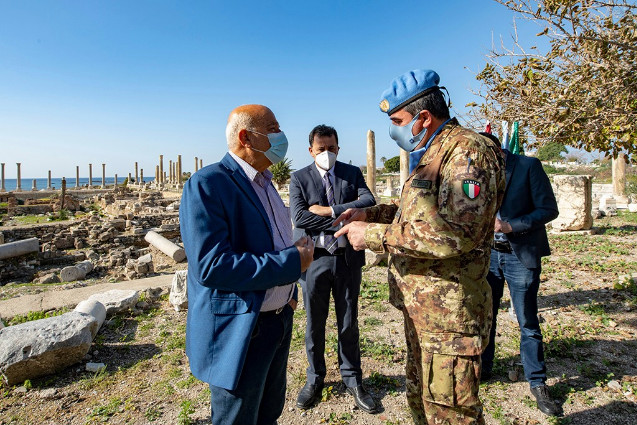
pixel 439 241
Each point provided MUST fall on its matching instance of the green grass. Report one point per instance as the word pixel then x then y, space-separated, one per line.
pixel 378 350
pixel 35 315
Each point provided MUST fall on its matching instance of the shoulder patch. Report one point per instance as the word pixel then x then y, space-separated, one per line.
pixel 471 188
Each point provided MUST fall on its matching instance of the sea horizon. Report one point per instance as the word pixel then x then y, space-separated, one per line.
pixel 56 183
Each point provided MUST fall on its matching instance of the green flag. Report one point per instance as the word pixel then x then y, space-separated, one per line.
pixel 514 144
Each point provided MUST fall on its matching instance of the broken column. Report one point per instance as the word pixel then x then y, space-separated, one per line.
pixel 77 176
pixel 196 164
pixel 90 175
pixel 103 176
pixel 619 178
pixel 179 171
pixel 404 167
pixel 49 186
pixel 371 162
pixel 179 290
pixel 172 250
pixel 34 187
pixel 161 169
pixel 200 163
pixel 2 189
pixel 17 248
pixel 574 201
pixel 19 182
pixel 136 174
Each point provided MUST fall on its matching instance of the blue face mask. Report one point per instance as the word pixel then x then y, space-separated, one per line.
pixel 404 137
pixel 278 146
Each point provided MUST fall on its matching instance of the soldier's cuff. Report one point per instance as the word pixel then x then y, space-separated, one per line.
pixel 375 237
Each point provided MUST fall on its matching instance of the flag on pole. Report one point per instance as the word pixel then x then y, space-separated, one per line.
pixel 505 135
pixel 514 144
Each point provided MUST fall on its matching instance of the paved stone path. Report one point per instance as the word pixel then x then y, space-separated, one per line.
pixel 50 300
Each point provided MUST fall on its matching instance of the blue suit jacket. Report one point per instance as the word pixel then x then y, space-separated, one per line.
pixel 306 189
pixel 529 203
pixel 231 263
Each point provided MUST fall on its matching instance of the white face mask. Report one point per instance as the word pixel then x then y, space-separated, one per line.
pixel 325 160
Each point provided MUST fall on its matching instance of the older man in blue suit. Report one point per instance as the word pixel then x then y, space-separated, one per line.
pixel 242 273
pixel 520 242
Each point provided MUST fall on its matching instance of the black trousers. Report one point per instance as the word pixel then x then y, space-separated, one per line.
pixel 330 274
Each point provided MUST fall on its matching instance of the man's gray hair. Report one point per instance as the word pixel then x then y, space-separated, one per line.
pixel 236 123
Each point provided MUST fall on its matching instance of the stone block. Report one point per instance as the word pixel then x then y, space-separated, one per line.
pixel 17 248
pixel 574 201
pixel 179 290
pixel 48 278
pixel 116 300
pixel 45 346
pixel 71 274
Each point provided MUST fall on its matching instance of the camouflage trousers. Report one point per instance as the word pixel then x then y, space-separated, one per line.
pixel 441 389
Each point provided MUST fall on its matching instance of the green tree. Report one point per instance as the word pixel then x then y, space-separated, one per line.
pixel 392 165
pixel 552 151
pixel 281 172
pixel 580 90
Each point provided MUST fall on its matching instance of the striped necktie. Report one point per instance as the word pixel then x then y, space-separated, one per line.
pixel 330 243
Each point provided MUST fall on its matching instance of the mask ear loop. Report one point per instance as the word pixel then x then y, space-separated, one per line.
pixel 448 97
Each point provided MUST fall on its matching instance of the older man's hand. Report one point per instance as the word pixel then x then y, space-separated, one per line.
pixel 305 245
pixel 502 226
pixel 355 232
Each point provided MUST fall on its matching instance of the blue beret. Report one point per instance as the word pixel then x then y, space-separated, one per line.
pixel 407 88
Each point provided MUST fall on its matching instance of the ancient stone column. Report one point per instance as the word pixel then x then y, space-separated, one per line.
pixel 404 167
pixel 19 182
pixel 141 176
pixel 179 171
pixel 90 175
pixel 619 177
pixel 35 185
pixel 136 175
pixel 161 169
pixel 21 247
pixel 574 201
pixel 63 197
pixel 77 176
pixel 200 163
pixel 48 187
pixel 103 176
pixel 172 250
pixel 371 162
pixel 115 181
pixel 196 164
pixel 2 189
pixel 157 177
pixel 170 171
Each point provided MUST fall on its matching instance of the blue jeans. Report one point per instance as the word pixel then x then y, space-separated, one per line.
pixel 260 394
pixel 523 286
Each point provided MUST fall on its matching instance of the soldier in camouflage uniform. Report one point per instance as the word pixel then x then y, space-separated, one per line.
pixel 438 239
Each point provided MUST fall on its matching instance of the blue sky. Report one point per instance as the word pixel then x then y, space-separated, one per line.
pixel 122 81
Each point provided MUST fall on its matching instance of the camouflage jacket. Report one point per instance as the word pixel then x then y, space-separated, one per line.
pixel 439 240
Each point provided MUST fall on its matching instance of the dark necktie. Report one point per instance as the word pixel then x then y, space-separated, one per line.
pixel 330 243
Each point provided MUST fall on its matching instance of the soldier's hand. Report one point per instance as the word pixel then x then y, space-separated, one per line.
pixel 349 215
pixel 305 245
pixel 320 210
pixel 355 232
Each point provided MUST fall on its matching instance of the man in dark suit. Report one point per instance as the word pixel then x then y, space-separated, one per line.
pixel 319 193
pixel 520 242
pixel 242 272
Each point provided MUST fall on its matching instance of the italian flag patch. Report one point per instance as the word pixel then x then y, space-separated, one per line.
pixel 471 188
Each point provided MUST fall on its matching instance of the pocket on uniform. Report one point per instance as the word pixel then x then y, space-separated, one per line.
pixel 229 305
pixel 438 378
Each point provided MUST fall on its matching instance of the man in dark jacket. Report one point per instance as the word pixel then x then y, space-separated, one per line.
pixel 520 242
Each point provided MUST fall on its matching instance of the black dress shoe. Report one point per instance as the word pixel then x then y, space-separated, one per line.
pixel 545 403
pixel 309 395
pixel 363 399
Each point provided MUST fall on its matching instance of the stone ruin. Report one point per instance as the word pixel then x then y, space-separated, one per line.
pixel 106 238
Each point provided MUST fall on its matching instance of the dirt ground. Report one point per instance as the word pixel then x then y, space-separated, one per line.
pixel 588 311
